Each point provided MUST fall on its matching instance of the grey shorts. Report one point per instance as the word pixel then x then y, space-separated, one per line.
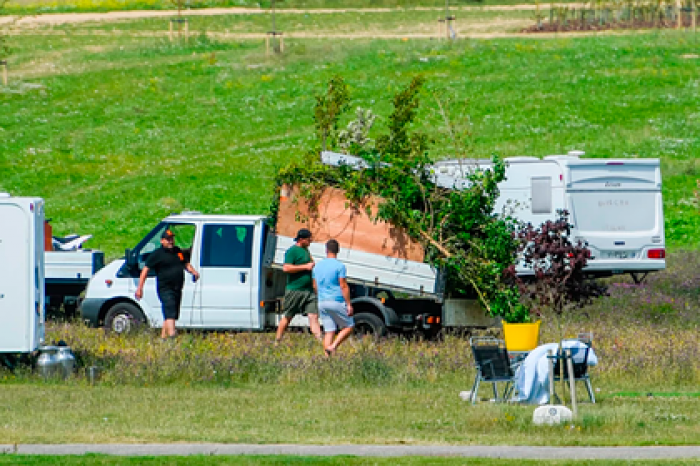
pixel 299 302
pixel 334 315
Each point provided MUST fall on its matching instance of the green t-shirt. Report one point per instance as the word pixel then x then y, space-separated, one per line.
pixel 296 255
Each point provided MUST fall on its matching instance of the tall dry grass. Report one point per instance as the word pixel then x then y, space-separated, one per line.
pixel 644 336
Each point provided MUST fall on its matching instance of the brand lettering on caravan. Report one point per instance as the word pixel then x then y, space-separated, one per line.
pixel 614 203
pixel 610 184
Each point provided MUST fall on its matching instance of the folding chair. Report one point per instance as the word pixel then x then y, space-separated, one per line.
pixel 579 359
pixel 493 365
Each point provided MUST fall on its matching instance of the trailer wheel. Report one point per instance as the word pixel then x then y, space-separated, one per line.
pixel 124 318
pixel 369 324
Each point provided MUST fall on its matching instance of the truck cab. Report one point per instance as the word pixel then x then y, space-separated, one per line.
pixel 227 251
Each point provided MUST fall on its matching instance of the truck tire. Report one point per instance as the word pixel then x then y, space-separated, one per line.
pixel 124 318
pixel 369 324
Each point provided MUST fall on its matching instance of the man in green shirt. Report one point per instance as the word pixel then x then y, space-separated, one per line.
pixel 299 295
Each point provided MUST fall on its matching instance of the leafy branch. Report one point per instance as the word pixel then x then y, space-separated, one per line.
pixel 458 228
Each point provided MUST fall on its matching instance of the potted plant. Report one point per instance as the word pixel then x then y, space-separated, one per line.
pixel 521 329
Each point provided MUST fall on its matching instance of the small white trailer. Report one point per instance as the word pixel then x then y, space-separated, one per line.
pixel 66 276
pixel 615 205
pixel 21 274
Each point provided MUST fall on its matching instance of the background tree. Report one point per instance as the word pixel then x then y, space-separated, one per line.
pixel 329 107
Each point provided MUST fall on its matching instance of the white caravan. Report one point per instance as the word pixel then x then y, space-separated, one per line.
pixel 615 205
pixel 21 274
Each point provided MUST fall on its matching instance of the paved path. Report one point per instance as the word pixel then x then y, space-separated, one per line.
pixel 519 452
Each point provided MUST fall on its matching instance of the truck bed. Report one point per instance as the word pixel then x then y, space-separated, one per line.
pixel 415 278
pixel 72 266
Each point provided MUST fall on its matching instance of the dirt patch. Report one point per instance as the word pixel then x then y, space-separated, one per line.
pixel 68 18
pixel 585 25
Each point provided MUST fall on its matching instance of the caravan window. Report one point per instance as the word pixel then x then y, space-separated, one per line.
pixel 541 189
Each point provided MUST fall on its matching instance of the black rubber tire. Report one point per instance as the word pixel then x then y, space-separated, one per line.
pixel 369 324
pixel 124 318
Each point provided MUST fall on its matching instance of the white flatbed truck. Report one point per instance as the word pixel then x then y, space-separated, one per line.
pixel 241 283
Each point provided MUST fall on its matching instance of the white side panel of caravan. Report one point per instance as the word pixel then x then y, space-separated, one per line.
pixel 21 274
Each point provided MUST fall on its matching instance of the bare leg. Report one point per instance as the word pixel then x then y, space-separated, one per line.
pixel 284 323
pixel 169 328
pixel 315 326
pixel 342 336
pixel 328 342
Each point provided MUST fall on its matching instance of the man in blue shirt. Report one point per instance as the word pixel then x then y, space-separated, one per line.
pixel 335 308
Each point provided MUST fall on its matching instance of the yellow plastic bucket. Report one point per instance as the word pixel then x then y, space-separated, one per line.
pixel 521 337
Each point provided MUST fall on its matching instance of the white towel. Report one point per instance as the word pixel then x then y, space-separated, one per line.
pixel 532 377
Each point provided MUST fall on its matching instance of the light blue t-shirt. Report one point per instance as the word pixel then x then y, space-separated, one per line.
pixel 327 274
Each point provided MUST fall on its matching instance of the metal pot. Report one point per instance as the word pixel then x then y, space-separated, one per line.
pixel 66 360
pixel 48 364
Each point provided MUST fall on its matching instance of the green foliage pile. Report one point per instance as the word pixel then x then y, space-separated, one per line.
pixel 457 227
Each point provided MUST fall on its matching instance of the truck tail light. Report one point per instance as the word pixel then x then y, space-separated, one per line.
pixel 656 254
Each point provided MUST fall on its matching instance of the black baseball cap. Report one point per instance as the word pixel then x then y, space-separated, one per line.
pixel 303 234
pixel 167 234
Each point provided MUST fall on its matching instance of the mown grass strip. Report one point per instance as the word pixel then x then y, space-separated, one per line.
pixel 98 460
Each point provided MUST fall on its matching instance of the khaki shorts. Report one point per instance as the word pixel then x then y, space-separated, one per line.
pixel 299 302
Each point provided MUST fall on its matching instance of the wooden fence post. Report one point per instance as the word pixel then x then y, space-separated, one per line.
pixel 3 63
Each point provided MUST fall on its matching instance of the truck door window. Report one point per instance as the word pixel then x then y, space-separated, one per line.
pixel 184 238
pixel 541 191
pixel 227 246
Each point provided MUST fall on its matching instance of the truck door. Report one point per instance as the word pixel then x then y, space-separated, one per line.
pixel 184 239
pixel 227 281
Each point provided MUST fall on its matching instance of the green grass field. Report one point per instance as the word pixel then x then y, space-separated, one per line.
pixel 117 127
pixel 116 131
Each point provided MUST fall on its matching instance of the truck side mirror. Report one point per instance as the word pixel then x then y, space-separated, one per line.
pixel 132 261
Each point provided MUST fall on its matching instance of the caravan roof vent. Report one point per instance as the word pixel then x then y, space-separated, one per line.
pixel 576 153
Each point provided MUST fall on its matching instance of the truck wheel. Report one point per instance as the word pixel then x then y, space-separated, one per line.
pixel 369 324
pixel 124 318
